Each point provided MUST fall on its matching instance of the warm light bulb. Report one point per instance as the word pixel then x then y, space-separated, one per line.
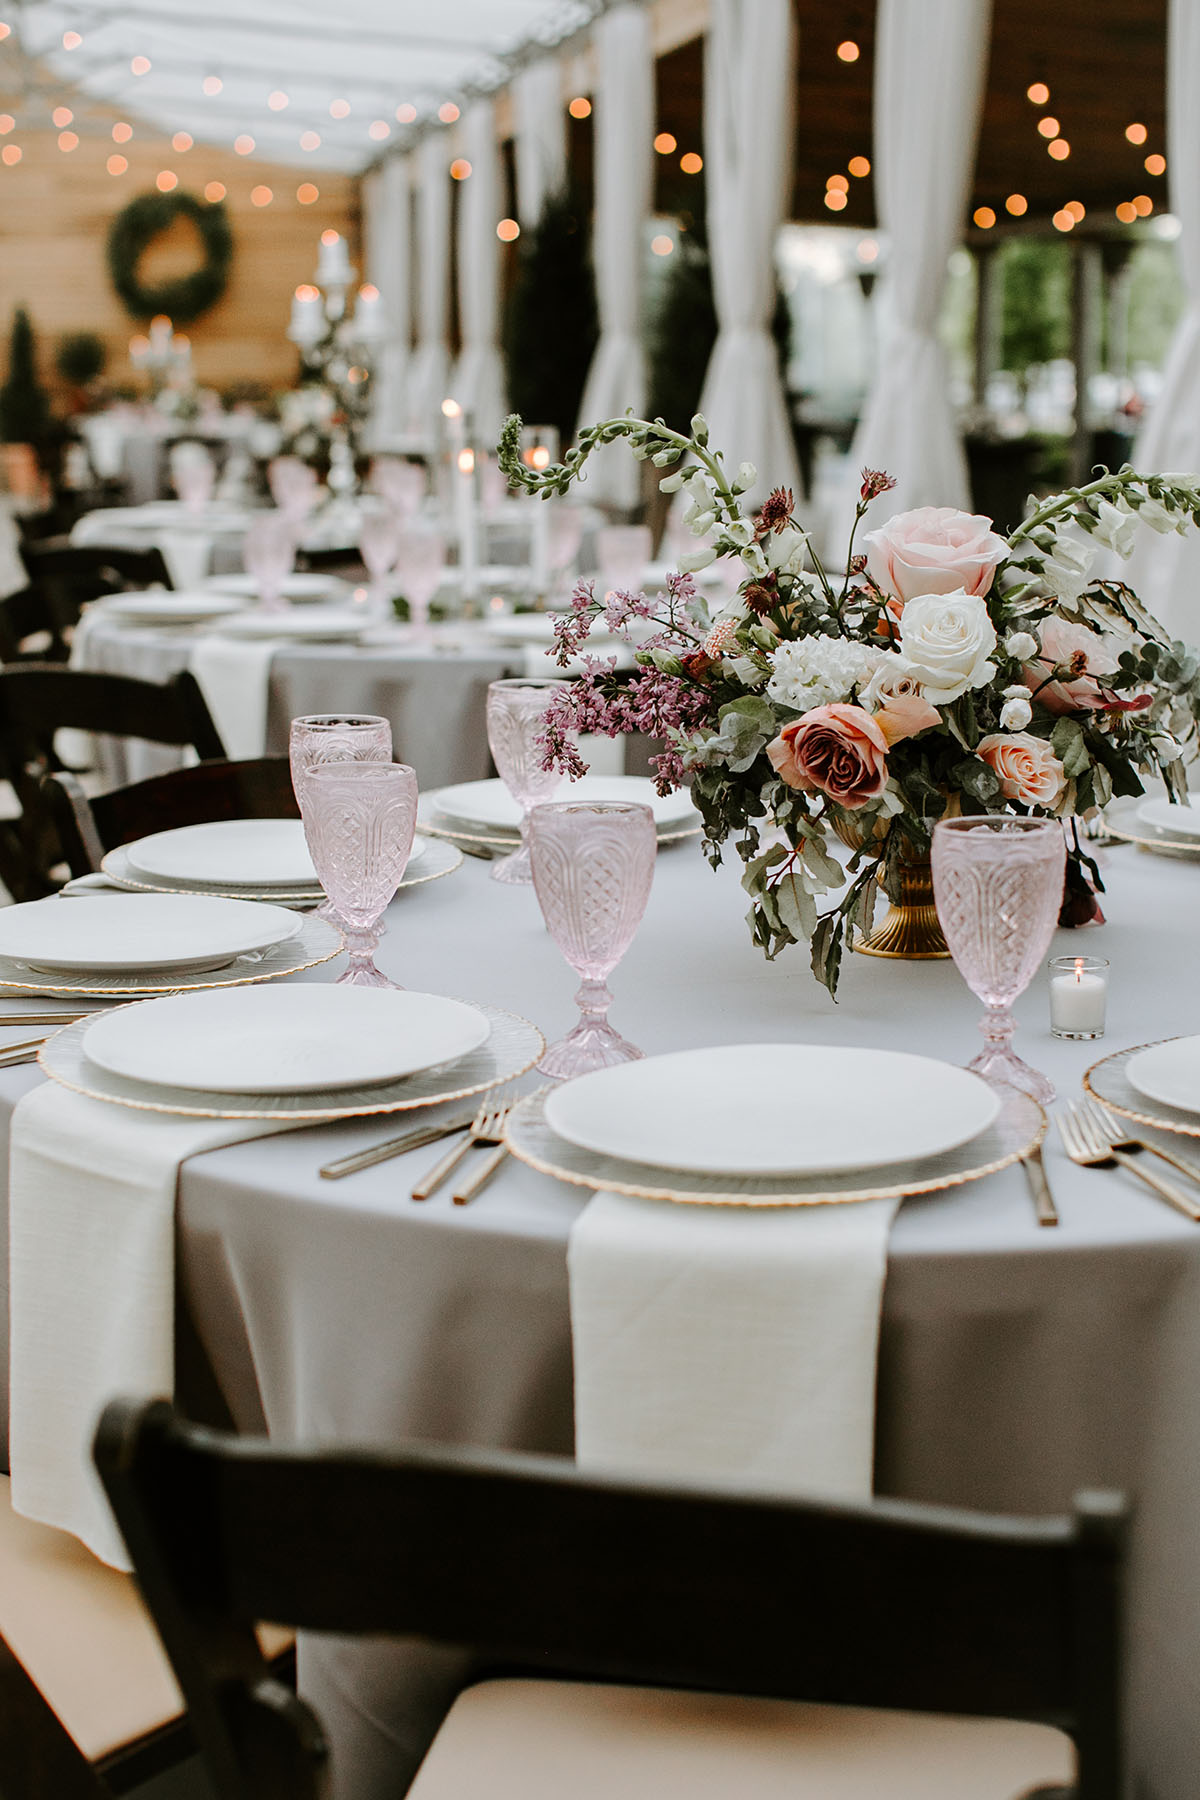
pixel 466 461
pixel 261 196
pixel 984 217
pixel 1155 165
pixel 859 166
pixel 71 40
pixel 1137 134
pixel 1059 149
pixel 277 100
pixel 662 245
pixel 310 140
pixel 214 191
pixel 1143 205
pixel 62 115
pixel 1063 220
pixel 244 144
pixel 835 200
pixel 839 182
pixel 406 114
pixel 211 85
pixel 580 107
pixel 1017 205
pixel 306 193
pixel 166 180
pixel 306 291
pixel 5 31
pixel 848 51
pixel 182 141
pixel 451 409
pixel 508 230
pixel 1048 127
pixel 539 457
pixel 691 164
pixel 117 165
pixel 1039 93
pixel 121 132
pixel 1127 212
pixel 68 140
pixel 1077 210
pixel 447 112
pixel 868 250
pixel 460 169
pixel 140 65
pixel 7 123
pixel 379 129
pixel 11 154
pixel 339 109
pixel 664 143
pixel 329 236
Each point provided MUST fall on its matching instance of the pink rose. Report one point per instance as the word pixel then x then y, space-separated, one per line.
pixel 836 750
pixel 1084 655
pixel 934 550
pixel 1028 769
pixel 904 713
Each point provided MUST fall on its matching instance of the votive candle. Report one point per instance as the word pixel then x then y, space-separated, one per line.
pixel 1078 996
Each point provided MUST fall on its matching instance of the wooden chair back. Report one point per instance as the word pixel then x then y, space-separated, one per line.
pixel 25 616
pixel 87 829
pixel 544 1569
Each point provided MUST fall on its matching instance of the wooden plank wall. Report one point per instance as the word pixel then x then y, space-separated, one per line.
pixel 55 210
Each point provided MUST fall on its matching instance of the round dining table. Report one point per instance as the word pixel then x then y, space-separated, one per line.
pixel 1017 1364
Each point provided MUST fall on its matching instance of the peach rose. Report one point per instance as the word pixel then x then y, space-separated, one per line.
pixel 1086 655
pixel 836 750
pixel 1028 769
pixel 934 550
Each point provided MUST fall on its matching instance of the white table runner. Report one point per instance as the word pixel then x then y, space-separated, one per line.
pixel 235 678
pixel 92 1279
pixel 720 1342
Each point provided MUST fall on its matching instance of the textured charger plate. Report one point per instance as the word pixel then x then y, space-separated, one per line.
pixel 513 1047
pixel 438 825
pixel 314 943
pixel 1107 1082
pixel 1120 821
pixel 437 860
pixel 1020 1128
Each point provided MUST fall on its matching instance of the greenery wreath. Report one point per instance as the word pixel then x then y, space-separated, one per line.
pixel 133 230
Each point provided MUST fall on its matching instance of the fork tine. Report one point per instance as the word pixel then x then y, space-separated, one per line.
pixel 1099 1120
pixel 1065 1120
pixel 1091 1140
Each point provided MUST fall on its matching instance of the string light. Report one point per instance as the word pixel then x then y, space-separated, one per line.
pixel 71 40
pixel 1155 165
pixel 1077 210
pixel 306 193
pixel 691 164
pixel 466 461
pixel 379 129
pixel 450 408
pixel 1143 205
pixel 117 165
pixel 447 112
pixel 1063 220
pixel 67 140
pixel 214 191
pixel 182 142
pixel 406 114
pixel 1048 127
pixel 460 169
pixel 6 124
pixel 244 144
pixel 11 154
pixel 1137 134
pixel 62 115
pixel 277 100
pixel 166 180
pixel 1039 93
pixel 835 200
pixel 848 51
pixel 839 183
pixel 859 166
pixel 508 231
pixel 339 109
pixel 868 250
pixel 1017 205
pixel 1059 149
pixel 261 196
pixel 665 142
pixel 122 131
pixel 984 217
pixel 1127 212
pixel 662 245
pixel 580 107
pixel 5 31
pixel 140 65
pixel 211 85
pixel 329 236
pixel 310 140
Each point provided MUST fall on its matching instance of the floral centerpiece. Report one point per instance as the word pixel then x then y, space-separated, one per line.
pixel 945 668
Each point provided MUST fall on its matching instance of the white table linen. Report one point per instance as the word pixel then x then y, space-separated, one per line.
pixel 727 1343
pixel 235 678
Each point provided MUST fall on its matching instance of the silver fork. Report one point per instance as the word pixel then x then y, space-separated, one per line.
pixel 1120 1139
pixel 487 1127
pixel 1087 1145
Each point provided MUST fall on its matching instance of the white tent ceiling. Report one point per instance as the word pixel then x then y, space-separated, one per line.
pixel 282 64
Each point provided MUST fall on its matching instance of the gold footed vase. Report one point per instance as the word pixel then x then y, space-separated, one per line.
pixel 910 931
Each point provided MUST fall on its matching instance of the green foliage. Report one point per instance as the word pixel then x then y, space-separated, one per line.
pixel 551 327
pixel 186 297
pixel 24 405
pixel 1036 320
pixel 81 357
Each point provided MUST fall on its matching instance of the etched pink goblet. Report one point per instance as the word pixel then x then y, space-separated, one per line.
pixel 516 711
pixel 593 867
pixel 998 885
pixel 321 738
pixel 420 565
pixel 359 820
pixel 269 553
pixel 379 546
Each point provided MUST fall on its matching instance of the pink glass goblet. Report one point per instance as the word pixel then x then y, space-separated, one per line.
pixel 516 711
pixel 293 486
pixel 194 474
pixel 379 545
pixel 402 484
pixel 593 866
pixel 420 565
pixel 269 553
pixel 998 885
pixel 322 738
pixel 359 819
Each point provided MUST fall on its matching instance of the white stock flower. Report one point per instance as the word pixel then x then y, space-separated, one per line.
pixel 945 643
pixel 785 550
pixel 1067 568
pixel 1153 513
pixel 747 475
pixel 740 533
pixel 755 561
pixel 1116 526
pixel 1166 747
pixel 670 484
pixel 1015 714
pixel 697 560
pixel 1022 645
pixel 812 671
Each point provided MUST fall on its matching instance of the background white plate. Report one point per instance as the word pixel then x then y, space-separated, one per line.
pixel 490 803
pixel 301 586
pixel 167 608
pixel 315 624
pixel 774 1109
pixel 252 853
pixel 143 932
pixel 277 1040
pixel 1168 1073
pixel 1176 821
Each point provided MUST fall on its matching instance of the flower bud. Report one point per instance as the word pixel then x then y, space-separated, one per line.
pixel 700 428
pixel 1166 748
pixel 1021 645
pixel 696 560
pixel 747 475
pixel 671 484
pixel 1015 715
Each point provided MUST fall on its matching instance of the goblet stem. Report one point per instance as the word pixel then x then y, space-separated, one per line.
pixel 516 868
pixel 998 1063
pixel 593 1000
pixel 592 1044
pixel 362 943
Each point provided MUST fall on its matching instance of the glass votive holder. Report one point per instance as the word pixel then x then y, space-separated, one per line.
pixel 1078 996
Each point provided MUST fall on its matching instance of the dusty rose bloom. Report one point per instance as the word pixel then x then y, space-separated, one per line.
pixel 836 750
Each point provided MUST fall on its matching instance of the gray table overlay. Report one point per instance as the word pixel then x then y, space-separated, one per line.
pixel 1017 1365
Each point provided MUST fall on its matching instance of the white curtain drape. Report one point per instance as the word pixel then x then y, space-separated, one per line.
pixel 624 113
pixel 478 382
pixel 1166 570
pixel 429 369
pixel 749 81
pixel 930 64
pixel 387 225
pixel 540 123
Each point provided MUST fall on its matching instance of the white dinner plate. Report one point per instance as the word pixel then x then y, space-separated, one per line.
pixel 302 586
pixel 1168 1073
pixel 150 932
pixel 774 1109
pixel 490 803
pixel 314 625
pixel 1175 821
pixel 284 1040
pixel 163 607
pixel 252 853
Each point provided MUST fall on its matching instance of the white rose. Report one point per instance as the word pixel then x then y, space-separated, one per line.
pixel 1015 714
pixel 1022 645
pixel 1116 527
pixel 945 643
pixel 1152 512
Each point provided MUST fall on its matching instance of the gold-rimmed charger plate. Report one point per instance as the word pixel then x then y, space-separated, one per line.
pixel 1121 822
pixel 438 860
pixel 1018 1130
pixel 1107 1082
pixel 513 1046
pixel 316 942
pixel 444 826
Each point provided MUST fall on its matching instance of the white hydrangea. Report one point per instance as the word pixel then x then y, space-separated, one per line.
pixel 814 671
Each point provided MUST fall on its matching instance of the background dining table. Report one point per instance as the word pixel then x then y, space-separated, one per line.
pixel 1017 1364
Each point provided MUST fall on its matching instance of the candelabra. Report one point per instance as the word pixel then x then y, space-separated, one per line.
pixel 336 353
pixel 164 356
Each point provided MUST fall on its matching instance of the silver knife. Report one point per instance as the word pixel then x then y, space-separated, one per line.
pixel 1039 1187
pixel 397 1146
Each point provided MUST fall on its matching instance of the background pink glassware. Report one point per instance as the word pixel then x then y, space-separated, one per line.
pixel 622 552
pixel 294 487
pixel 359 820
pixel 998 884
pixel 402 484
pixel 593 867
pixel 269 554
pixel 515 711
pixel 420 564
pixel 320 738
pixel 194 474
pixel 379 545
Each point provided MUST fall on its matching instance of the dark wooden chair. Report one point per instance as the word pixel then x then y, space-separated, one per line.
pixel 37 700
pixel 64 577
pixel 86 829
pixel 29 629
pixel 545 1571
